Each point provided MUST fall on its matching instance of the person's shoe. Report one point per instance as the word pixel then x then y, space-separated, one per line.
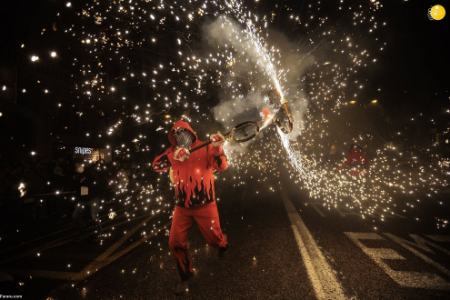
pixel 182 288
pixel 221 252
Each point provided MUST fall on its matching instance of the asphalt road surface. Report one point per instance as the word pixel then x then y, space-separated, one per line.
pixel 282 246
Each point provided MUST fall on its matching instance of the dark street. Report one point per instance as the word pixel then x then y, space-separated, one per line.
pixel 312 253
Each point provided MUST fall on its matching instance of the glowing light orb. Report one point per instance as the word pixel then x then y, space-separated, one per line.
pixel 436 12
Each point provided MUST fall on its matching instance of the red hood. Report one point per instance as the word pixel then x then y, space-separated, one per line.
pixel 180 124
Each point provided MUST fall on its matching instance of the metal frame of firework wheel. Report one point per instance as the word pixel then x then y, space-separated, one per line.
pixel 248 130
pixel 241 133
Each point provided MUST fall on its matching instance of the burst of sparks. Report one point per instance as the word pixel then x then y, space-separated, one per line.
pixel 121 74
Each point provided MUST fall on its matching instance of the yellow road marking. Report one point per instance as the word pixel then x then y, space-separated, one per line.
pixel 104 259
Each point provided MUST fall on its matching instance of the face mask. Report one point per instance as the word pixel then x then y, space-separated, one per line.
pixel 184 138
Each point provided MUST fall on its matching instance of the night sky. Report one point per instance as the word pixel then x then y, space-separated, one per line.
pixel 411 72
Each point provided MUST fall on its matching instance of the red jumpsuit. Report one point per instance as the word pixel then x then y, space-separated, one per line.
pixel 193 181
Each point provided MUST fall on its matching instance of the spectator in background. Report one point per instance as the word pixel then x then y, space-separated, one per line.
pixel 87 195
pixel 333 156
pixel 356 160
pixel 58 172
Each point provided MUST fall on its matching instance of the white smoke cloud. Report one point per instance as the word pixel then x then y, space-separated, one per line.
pixel 248 53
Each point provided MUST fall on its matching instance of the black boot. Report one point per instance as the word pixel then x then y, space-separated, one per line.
pixel 182 288
pixel 221 251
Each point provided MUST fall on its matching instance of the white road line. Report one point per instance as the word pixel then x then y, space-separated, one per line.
pixel 382 256
pixel 320 273
pixel 439 238
pixel 421 244
pixel 62 241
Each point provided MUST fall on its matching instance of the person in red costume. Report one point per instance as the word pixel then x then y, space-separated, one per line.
pixel 356 161
pixel 192 176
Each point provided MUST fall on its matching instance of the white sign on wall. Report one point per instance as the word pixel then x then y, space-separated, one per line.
pixel 83 150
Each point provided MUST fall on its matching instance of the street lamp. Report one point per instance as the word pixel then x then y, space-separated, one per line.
pixel 374 101
pixel 34 58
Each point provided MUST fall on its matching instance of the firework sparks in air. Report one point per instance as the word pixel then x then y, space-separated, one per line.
pixel 138 65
